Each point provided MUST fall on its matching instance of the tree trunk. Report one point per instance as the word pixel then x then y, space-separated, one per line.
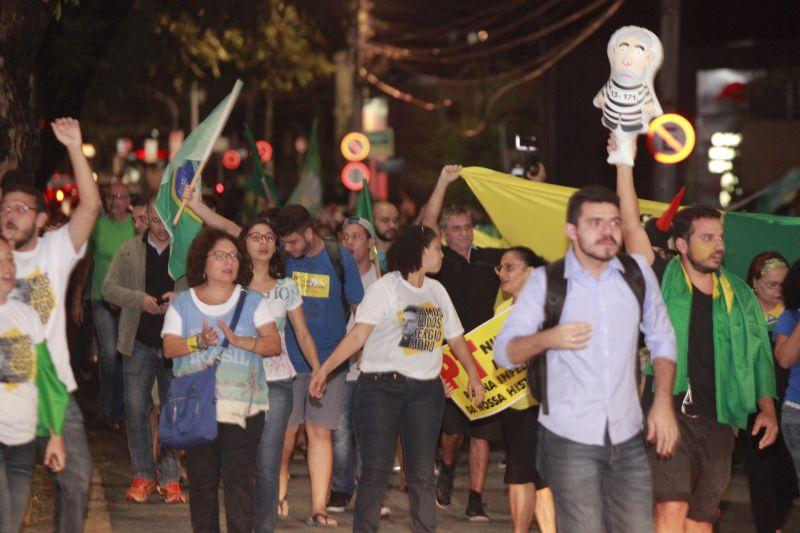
pixel 22 27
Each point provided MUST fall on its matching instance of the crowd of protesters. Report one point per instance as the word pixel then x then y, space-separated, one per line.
pixel 340 339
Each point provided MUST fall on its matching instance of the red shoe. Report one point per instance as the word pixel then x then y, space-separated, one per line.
pixel 140 489
pixel 171 492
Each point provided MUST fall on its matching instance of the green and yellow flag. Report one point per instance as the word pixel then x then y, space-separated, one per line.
pixel 193 154
pixel 261 184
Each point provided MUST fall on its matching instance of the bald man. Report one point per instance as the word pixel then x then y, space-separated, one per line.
pixel 387 225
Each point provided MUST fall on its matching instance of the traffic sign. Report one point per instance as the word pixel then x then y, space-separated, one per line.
pixel 354 174
pixel 355 146
pixel 381 142
pixel 670 138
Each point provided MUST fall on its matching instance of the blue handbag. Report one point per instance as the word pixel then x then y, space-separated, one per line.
pixel 189 416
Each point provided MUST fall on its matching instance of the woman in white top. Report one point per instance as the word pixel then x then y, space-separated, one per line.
pixel 401 324
pixel 259 239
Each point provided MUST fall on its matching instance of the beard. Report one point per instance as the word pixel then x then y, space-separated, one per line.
pixel 699 266
pixel 389 236
pixel 599 254
pixel 21 238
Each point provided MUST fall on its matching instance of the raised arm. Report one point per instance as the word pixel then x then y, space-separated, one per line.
pixel 633 234
pixel 194 202
pixel 68 133
pixel 433 208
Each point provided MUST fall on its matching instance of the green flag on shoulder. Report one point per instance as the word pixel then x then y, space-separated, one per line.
pixel 191 158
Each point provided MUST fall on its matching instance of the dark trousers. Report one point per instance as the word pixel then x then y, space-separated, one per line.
pixel 771 476
pixel 388 405
pixel 231 457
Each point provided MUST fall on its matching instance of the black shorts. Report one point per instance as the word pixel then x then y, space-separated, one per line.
pixel 521 429
pixel 456 423
pixel 700 470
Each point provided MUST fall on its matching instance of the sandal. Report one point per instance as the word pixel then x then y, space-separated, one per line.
pixel 283 509
pixel 321 520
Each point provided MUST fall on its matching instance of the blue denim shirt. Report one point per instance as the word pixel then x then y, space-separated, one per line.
pixel 595 388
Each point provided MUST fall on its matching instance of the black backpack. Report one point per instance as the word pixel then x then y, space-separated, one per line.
pixel 332 247
pixel 554 304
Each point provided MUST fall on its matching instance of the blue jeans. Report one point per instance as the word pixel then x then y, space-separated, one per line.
pixel 597 487
pixel 73 484
pixel 268 456
pixel 140 370
pixel 389 405
pixel 790 426
pixel 16 469
pixel 343 479
pixel 110 398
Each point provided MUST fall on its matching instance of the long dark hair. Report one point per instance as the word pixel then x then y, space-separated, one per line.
pixel 405 255
pixel 791 287
pixel 198 254
pixel 277 268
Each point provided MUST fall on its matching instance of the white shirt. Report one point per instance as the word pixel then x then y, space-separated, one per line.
pixel 20 332
pixel 281 299
pixel 367 279
pixel 42 279
pixel 173 323
pixel 410 326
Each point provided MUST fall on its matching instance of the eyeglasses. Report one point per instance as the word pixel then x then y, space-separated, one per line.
pixel 770 284
pixel 261 238
pixel 118 196
pixel 17 209
pixel 222 256
pixel 507 267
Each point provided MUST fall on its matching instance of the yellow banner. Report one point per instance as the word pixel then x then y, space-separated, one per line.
pixel 503 387
pixel 528 213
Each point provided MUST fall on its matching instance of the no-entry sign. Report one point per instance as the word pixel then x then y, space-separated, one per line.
pixel 670 138
pixel 355 146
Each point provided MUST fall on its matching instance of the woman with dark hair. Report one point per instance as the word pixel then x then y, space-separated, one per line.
pixel 259 239
pixel 528 494
pixel 787 354
pixel 771 477
pixel 195 325
pixel 401 324
pixel 272 473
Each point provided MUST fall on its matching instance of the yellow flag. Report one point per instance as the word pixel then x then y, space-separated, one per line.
pixel 528 213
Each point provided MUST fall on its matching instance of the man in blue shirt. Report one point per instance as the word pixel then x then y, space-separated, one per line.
pixel 591 449
pixel 327 300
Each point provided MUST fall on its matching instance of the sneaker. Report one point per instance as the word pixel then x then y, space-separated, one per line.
pixel 172 493
pixel 444 486
pixel 385 512
pixel 476 512
pixel 337 502
pixel 140 489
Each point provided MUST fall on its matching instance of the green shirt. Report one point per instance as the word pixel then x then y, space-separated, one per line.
pixel 106 239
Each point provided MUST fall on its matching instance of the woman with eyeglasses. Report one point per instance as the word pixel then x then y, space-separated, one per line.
pixel 259 240
pixel 401 324
pixel 528 494
pixel 772 481
pixel 195 326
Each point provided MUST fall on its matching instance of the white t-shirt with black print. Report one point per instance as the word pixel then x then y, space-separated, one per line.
pixel 410 326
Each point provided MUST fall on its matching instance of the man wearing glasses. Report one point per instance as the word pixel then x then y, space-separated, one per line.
pixel 112 229
pixel 468 275
pixel 138 282
pixel 44 265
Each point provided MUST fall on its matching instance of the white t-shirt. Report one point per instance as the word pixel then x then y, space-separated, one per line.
pixel 42 279
pixel 282 298
pixel 410 325
pixel 367 279
pixel 173 323
pixel 20 332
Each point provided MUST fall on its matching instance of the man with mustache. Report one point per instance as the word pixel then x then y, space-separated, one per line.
pixel 724 367
pixel 44 265
pixel 591 445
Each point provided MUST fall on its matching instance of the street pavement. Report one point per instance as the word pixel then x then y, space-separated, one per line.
pixel 110 512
